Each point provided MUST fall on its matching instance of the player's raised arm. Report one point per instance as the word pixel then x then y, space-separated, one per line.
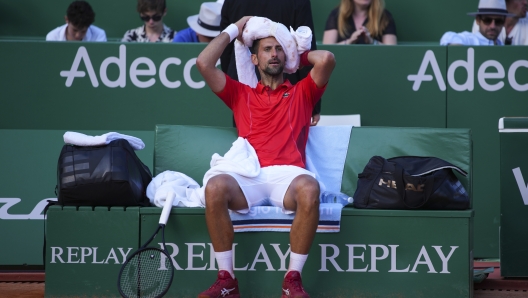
pixel 207 59
pixel 323 64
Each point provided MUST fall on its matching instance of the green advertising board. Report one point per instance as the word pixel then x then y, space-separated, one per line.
pixel 407 251
pixel 513 134
pixel 483 85
pixel 50 88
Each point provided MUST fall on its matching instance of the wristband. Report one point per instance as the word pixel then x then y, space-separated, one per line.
pixel 304 59
pixel 232 31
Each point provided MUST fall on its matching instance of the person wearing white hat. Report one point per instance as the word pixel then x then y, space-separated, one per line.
pixel 204 26
pixel 515 30
pixel 490 18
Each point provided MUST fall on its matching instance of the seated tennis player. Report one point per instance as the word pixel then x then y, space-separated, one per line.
pixel 274 117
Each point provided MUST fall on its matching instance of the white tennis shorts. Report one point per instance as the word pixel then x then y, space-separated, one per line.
pixel 270 186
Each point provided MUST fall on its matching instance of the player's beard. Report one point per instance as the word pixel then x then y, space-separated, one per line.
pixel 274 71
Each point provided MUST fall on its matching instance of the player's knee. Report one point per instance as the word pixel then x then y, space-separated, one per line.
pixel 308 191
pixel 217 188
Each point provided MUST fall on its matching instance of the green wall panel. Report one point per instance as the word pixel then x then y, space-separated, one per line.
pixel 481 108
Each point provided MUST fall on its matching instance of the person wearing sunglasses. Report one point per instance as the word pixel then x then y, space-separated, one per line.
pixel 151 12
pixel 490 19
pixel 79 18
pixel 515 30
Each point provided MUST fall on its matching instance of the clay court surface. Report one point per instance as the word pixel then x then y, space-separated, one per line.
pixel 21 289
pixel 36 289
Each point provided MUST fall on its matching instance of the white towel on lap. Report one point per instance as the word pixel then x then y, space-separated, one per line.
pixel 293 43
pixel 240 159
pixel 80 139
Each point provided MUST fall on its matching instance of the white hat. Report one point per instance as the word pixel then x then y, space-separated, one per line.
pixel 207 22
pixel 492 7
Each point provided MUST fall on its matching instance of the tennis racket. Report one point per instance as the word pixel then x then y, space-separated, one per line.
pixel 148 272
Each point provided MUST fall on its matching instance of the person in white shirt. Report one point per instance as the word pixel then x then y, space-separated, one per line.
pixel 79 18
pixel 490 19
pixel 515 30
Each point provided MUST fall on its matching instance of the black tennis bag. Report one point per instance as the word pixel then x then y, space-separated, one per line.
pixel 410 182
pixel 108 175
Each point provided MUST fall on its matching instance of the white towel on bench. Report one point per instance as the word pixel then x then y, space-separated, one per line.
pixel 80 139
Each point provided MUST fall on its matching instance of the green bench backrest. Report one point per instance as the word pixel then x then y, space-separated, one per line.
pixel 188 149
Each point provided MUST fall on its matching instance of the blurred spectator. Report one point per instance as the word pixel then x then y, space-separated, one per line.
pixel 151 12
pixel 360 22
pixel 490 19
pixel 204 26
pixel 291 13
pixel 79 18
pixel 515 30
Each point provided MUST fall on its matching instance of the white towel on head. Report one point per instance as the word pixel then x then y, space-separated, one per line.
pixel 293 43
pixel 80 139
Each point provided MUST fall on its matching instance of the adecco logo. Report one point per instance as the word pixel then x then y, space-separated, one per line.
pixel 483 74
pixel 148 75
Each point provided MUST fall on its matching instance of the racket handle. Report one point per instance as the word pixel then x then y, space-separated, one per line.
pixel 167 208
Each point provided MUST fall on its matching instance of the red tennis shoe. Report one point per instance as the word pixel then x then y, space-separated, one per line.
pixel 292 286
pixel 224 287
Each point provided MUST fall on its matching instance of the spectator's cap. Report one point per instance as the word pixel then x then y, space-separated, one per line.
pixel 492 7
pixel 207 22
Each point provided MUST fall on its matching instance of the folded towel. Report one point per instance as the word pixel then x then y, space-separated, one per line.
pixel 293 43
pixel 187 191
pixel 328 162
pixel 80 139
pixel 272 219
pixel 240 159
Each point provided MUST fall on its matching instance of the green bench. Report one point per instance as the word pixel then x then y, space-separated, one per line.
pixel 377 253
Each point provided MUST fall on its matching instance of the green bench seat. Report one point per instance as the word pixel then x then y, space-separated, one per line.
pixel 377 253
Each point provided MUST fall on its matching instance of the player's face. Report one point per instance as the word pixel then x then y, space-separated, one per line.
pixel 271 56
pixel 490 25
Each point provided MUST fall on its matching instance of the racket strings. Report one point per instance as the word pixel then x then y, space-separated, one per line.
pixel 147 274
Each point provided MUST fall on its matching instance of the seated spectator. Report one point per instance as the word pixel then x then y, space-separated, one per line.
pixel 204 26
pixel 360 22
pixel 79 18
pixel 151 12
pixel 490 18
pixel 515 30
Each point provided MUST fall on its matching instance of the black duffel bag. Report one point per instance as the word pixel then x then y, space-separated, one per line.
pixel 410 182
pixel 108 175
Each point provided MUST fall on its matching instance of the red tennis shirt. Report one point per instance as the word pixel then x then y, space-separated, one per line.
pixel 275 122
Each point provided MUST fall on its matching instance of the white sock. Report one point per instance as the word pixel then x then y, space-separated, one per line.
pixel 296 262
pixel 225 261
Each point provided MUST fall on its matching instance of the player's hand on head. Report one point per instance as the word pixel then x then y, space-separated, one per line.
pixel 241 24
